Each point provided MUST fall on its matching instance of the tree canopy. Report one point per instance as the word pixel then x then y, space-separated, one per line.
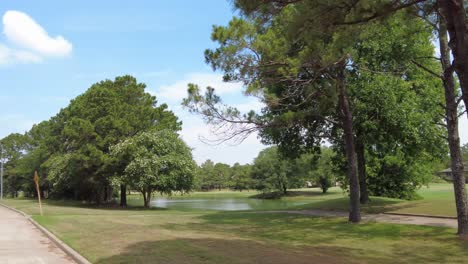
pixel 71 151
pixel 156 161
pixel 321 80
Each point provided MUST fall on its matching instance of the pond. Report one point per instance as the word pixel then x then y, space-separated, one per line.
pixel 225 204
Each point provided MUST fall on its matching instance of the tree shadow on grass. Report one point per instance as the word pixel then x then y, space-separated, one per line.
pixel 108 206
pixel 208 250
pixel 385 242
pixel 375 206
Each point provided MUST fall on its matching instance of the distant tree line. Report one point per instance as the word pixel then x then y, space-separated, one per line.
pixel 271 173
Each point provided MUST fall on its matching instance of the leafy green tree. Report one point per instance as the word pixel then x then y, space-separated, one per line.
pixel 241 177
pixel 35 156
pixel 205 176
pixel 297 65
pixel 447 18
pixel 399 123
pixel 452 12
pixel 381 56
pixel 211 176
pixel 272 173
pixel 14 147
pixel 221 175
pixel 324 173
pixel 82 134
pixel 451 19
pixel 157 162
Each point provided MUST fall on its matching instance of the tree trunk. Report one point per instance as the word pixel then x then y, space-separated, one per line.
pixel 451 110
pixel 454 14
pixel 144 198
pixel 106 194
pixel 361 160
pixel 98 196
pixel 148 198
pixel 123 195
pixel 110 193
pixel 347 116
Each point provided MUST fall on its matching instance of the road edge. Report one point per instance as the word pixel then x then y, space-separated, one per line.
pixel 77 257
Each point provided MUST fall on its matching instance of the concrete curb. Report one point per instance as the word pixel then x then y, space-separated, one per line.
pixel 67 249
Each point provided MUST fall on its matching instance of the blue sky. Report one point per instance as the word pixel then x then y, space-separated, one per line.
pixel 159 42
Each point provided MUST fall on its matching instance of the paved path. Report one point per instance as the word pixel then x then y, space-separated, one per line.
pixel 22 243
pixel 385 218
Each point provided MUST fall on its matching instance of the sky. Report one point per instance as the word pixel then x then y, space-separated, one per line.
pixel 53 50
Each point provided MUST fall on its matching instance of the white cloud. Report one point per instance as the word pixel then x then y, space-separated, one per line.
pixel 22 30
pixel 32 40
pixel 178 90
pixel 11 56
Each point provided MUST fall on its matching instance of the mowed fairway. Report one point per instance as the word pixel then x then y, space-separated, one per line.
pixel 436 200
pixel 136 235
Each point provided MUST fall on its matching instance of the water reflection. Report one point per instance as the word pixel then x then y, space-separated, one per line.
pixel 224 204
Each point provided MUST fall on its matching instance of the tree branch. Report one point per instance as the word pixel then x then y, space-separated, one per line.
pixel 427 69
pixel 380 13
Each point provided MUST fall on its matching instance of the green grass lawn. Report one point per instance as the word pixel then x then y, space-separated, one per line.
pixel 437 200
pixel 136 235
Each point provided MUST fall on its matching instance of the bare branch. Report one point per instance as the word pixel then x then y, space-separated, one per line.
pixel 381 13
pixel 427 69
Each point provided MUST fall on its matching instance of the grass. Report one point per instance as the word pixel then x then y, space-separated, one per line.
pixel 135 235
pixel 168 236
pixel 437 200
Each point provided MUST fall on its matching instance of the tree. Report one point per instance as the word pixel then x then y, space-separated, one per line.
pixel 454 14
pixel 447 17
pixel 324 173
pixel 204 176
pixel 82 134
pixel 464 150
pixel 398 124
pixel 359 12
pixel 13 149
pixel 241 177
pixel 156 162
pixel 451 109
pixel 301 77
pixel 270 172
pixel 221 175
